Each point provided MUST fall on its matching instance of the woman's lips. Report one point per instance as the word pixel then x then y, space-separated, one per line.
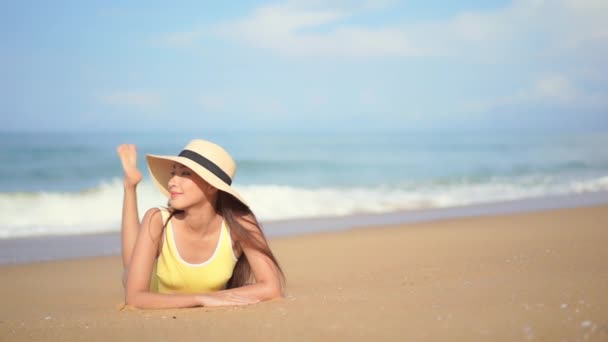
pixel 175 194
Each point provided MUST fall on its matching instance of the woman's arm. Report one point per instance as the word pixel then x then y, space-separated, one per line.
pixel 130 216
pixel 267 277
pixel 129 224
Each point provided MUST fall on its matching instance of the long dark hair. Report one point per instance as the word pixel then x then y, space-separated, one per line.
pixel 231 209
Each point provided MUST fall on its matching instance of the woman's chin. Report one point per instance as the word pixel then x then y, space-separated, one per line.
pixel 176 205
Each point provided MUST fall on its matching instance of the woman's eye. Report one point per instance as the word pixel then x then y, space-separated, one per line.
pixel 186 173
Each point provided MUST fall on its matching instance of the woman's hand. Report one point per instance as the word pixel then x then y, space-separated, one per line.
pixel 224 299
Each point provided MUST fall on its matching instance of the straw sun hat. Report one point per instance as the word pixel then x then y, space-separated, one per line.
pixel 208 160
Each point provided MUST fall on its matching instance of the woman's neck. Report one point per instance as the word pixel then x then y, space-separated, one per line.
pixel 200 219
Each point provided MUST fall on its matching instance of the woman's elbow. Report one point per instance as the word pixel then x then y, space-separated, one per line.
pixel 272 291
pixel 275 294
pixel 133 299
pixel 129 299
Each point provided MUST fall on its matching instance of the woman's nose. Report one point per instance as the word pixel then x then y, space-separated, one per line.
pixel 172 181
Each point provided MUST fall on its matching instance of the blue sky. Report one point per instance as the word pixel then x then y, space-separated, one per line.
pixel 326 65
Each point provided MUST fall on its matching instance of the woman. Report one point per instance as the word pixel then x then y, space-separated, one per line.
pixel 206 248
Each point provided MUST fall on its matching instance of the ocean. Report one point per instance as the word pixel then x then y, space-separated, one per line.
pixel 70 183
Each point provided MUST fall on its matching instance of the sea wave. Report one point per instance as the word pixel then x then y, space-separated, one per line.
pixel 99 209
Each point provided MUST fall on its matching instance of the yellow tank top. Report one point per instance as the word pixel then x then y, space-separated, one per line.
pixel 172 274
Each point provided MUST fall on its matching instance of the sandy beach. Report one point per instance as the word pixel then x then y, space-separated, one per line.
pixel 534 276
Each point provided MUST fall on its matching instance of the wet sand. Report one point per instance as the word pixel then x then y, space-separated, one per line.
pixel 528 276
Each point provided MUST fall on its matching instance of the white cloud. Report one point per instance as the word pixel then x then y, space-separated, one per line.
pixel 560 90
pixel 322 29
pixel 273 25
pixel 350 5
pixel 283 29
pixel 555 88
pixel 319 29
pixel 132 98
pixel 236 105
pixel 549 90
pixel 525 29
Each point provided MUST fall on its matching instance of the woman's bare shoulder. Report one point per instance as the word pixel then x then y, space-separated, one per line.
pixel 153 222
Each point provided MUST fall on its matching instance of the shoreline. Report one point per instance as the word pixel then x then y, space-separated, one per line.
pixel 23 250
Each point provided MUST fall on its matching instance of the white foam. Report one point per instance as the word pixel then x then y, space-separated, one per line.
pixel 99 210
pixel 96 210
pixel 272 202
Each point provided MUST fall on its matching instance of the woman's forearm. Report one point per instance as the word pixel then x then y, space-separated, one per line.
pixel 130 223
pixel 257 292
pixel 151 300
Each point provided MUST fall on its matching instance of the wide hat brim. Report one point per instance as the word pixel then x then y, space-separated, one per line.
pixel 160 168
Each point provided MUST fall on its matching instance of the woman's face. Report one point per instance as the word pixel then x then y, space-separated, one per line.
pixel 188 189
